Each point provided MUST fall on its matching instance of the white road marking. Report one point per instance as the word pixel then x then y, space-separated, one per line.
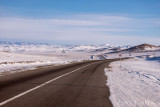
pixel 19 95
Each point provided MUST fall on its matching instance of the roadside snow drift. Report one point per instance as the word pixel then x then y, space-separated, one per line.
pixel 135 84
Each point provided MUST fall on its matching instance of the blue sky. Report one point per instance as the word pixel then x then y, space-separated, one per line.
pixel 81 21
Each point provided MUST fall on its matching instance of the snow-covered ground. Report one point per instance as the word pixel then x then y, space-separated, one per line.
pixel 15 58
pixel 23 56
pixel 19 57
pixel 136 83
pixel 18 62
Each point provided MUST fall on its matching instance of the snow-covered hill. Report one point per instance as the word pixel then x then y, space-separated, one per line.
pixel 143 47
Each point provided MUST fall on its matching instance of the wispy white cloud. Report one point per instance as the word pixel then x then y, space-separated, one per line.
pixel 74 22
pixel 76 27
pixel 86 21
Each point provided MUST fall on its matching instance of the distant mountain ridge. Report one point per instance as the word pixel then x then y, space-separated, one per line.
pixel 139 48
pixel 107 48
pixel 143 47
pixel 20 43
pixel 65 45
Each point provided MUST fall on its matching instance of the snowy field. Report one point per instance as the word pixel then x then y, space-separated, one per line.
pixel 136 83
pixel 18 62
pixel 15 62
pixel 20 57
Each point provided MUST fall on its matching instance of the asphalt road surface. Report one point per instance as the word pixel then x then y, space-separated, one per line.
pixel 74 85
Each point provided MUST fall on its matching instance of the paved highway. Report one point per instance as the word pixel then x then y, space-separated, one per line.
pixel 73 85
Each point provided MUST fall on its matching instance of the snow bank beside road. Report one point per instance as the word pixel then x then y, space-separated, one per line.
pixel 135 84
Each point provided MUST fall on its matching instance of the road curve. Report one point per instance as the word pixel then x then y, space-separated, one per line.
pixel 74 85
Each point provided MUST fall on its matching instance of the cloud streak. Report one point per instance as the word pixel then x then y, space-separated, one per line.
pixel 78 27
